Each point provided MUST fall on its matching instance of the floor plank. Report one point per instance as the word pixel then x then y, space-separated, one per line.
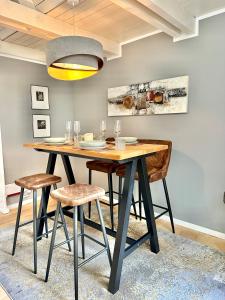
pixel 213 242
pixel 3 295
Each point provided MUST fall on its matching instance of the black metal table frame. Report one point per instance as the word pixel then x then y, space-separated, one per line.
pixel 120 250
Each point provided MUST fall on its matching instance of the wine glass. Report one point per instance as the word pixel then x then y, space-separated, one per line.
pixel 102 129
pixel 76 131
pixel 117 128
pixel 69 133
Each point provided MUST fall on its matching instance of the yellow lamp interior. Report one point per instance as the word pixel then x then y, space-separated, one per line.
pixel 71 74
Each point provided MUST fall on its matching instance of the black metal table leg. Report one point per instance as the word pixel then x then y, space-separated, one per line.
pixel 68 169
pixel 70 176
pixel 110 184
pixel 121 235
pixel 50 170
pixel 148 206
pixel 89 182
pixel 139 200
pixel 35 230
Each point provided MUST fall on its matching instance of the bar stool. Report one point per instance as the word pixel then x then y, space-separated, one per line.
pixel 76 195
pixel 35 182
pixel 108 168
pixel 157 167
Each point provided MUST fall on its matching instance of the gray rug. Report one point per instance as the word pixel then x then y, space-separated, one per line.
pixel 183 269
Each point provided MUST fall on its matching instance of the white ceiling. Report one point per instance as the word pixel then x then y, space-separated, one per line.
pixel 111 21
pixel 202 7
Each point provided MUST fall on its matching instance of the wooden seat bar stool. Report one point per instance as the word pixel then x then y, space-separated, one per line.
pixel 35 182
pixel 157 167
pixel 76 195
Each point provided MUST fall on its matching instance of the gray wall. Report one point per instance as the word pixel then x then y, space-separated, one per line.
pixel 196 178
pixel 16 114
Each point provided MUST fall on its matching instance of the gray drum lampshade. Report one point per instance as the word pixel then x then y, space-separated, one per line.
pixel 73 57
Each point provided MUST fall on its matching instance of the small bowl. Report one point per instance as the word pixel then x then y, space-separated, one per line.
pixel 92 143
pixel 128 139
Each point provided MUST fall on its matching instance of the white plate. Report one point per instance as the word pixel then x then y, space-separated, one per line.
pixel 92 148
pixel 54 144
pixel 92 143
pixel 127 143
pixel 55 140
pixel 131 143
pixel 128 139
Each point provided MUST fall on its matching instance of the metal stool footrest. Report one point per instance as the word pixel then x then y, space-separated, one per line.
pixel 92 257
pixel 49 231
pixel 107 204
pixel 163 213
pixel 90 238
pixel 114 192
pixel 38 219
pixel 66 241
pixel 166 210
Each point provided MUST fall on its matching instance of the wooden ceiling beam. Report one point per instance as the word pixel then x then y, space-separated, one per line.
pixel 21 52
pixel 35 23
pixel 7 31
pixel 173 12
pixel 141 11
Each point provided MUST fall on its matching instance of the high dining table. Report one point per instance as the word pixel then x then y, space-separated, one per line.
pixel 134 158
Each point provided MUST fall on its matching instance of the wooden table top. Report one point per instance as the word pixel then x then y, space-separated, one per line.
pixel 109 153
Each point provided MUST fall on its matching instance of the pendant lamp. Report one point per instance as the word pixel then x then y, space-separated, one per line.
pixel 74 57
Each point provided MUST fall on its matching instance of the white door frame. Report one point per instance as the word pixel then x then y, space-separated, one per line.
pixel 3 205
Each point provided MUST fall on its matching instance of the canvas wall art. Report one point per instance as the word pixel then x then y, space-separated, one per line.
pixel 166 96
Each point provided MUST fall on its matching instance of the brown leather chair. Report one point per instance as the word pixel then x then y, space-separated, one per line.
pixel 157 166
pixel 109 169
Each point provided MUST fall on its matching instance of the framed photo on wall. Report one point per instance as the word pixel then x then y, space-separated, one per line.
pixel 41 126
pixel 39 97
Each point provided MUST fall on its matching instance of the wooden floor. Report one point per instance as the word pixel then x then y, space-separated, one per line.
pixel 3 295
pixel 216 243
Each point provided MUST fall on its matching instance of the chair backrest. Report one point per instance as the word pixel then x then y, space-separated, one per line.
pixel 110 139
pixel 159 160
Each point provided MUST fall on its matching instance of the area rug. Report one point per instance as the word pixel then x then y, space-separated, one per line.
pixel 182 270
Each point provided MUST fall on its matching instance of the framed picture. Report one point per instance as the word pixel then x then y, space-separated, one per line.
pixel 39 97
pixel 157 97
pixel 41 126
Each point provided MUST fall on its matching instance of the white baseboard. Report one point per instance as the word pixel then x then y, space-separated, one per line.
pixel 202 229
pixel 25 201
pixel 4 210
pixel 185 224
